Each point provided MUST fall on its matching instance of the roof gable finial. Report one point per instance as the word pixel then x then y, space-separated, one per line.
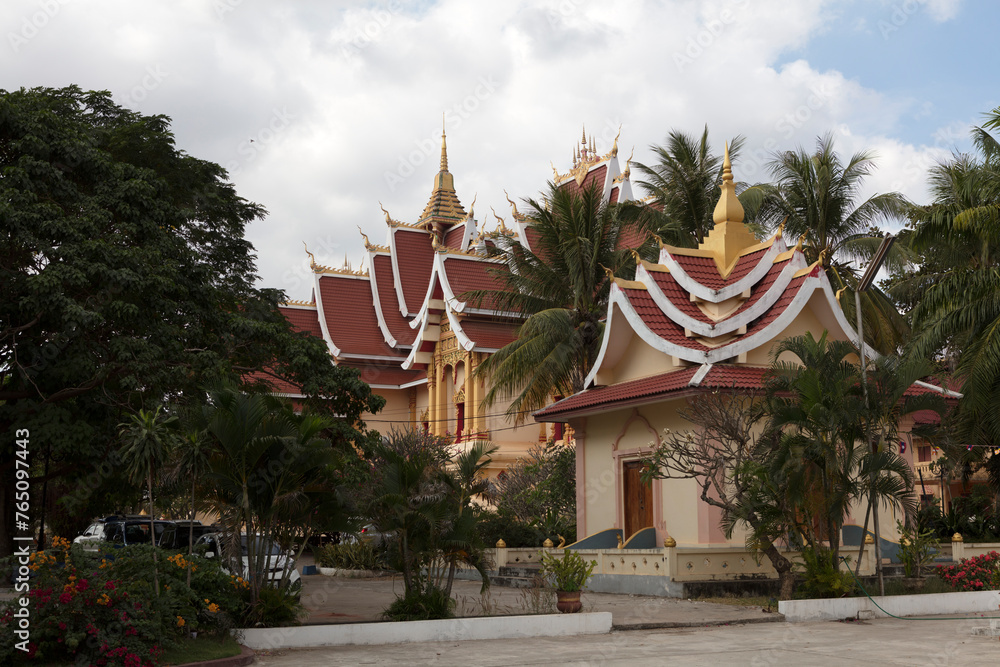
pixel 444 146
pixel 729 208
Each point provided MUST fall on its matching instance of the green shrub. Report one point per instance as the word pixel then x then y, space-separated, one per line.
pixel 569 573
pixel 821 577
pixel 916 549
pixel 433 603
pixel 360 555
pixel 275 608
pixel 504 526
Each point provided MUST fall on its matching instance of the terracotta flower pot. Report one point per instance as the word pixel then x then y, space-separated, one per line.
pixel 568 602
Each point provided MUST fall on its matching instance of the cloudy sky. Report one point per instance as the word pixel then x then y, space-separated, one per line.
pixel 344 100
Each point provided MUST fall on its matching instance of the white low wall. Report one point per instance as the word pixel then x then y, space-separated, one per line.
pixel 797 611
pixel 457 629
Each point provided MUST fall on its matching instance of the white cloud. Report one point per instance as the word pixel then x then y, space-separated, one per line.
pixel 344 103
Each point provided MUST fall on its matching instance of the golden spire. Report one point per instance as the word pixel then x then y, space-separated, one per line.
pixel 729 208
pixel 729 237
pixel 444 147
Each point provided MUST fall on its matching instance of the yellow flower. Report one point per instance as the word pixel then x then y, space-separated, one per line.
pixel 213 607
pixel 206 601
pixel 180 621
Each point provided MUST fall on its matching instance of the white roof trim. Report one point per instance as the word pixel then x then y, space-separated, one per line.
pixel 699 375
pixel 940 390
pixel 377 302
pixel 415 383
pixel 395 267
pixel 334 350
pixel 730 324
pixel 729 291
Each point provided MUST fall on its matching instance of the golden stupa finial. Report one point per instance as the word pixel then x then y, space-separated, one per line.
pixel 583 141
pixel 368 243
pixel 312 257
pixel 444 147
pixel 614 146
pixel 513 206
pixel 593 146
pixel 729 208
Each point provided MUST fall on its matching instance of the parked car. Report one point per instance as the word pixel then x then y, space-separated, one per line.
pixel 278 561
pixel 93 534
pixel 136 531
pixel 185 529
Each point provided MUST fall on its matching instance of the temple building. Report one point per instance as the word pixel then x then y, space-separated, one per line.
pixel 697 320
pixel 403 323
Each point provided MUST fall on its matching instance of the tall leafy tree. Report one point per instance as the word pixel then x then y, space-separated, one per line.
pixel 683 185
pixel 562 285
pixel 127 279
pixel 818 198
pixel 958 308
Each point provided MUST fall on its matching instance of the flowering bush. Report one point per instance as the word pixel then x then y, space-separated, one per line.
pixel 981 573
pixel 77 613
pixel 102 610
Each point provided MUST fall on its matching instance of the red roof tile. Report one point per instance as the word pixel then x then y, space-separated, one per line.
pixel 414 258
pixel 453 237
pixel 650 389
pixel 678 296
pixel 702 269
pixel 594 178
pixel 745 265
pixel 613 199
pixel 465 275
pixel 489 334
pixel 303 319
pixel 350 316
pixel 398 327
pixel 385 374
pixel 658 322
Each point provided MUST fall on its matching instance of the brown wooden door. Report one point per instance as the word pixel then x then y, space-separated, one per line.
pixel 638 499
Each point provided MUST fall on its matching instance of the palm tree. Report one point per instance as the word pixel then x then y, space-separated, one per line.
pixel 193 457
pixel 562 284
pixel 816 405
pixel 960 308
pixel 684 186
pixel 271 468
pixel 816 196
pixel 147 438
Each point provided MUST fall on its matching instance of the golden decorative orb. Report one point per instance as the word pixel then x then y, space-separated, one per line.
pixel 869 539
pixel 669 542
pixel 547 543
pixel 957 537
pixel 501 544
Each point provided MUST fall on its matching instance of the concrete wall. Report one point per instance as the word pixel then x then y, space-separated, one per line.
pixel 797 611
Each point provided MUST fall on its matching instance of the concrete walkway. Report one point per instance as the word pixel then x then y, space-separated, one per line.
pixel 343 600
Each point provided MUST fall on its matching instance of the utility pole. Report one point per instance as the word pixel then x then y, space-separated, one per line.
pixel 864 284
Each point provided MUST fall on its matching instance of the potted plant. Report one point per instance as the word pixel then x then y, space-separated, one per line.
pixel 569 574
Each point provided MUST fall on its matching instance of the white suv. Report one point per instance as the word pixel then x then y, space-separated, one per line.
pixel 278 561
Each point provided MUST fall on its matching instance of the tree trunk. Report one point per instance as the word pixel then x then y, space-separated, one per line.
pixel 191 533
pixel 783 567
pixel 451 579
pixel 152 535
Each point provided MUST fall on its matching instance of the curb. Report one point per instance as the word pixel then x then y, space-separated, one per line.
pixel 246 657
pixel 626 627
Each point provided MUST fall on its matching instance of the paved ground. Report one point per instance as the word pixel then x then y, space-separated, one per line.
pixel 341 600
pixel 859 644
